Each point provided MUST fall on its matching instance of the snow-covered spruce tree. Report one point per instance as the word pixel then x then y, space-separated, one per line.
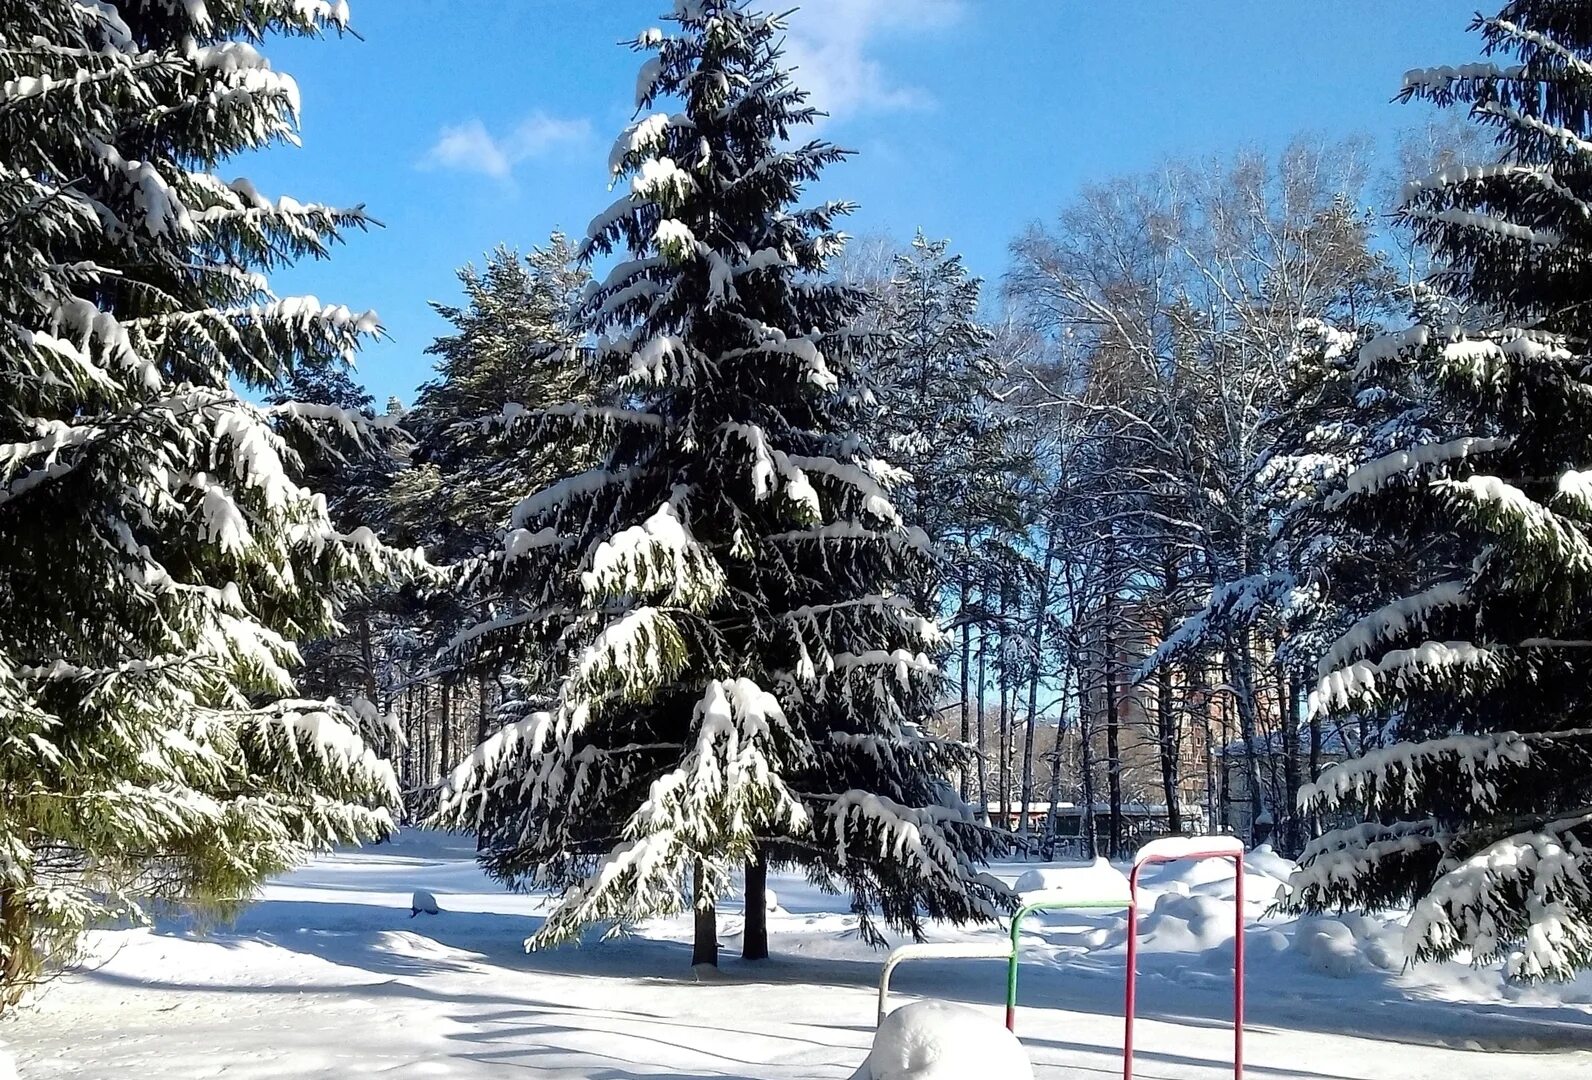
pixel 741 672
pixel 1481 813
pixel 158 556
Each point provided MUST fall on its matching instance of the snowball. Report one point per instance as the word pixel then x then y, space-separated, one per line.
pixel 422 903
pixel 934 1040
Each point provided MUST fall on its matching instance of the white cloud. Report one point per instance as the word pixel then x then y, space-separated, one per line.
pixel 829 42
pixel 470 147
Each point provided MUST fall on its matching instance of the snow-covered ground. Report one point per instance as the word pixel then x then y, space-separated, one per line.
pixel 329 976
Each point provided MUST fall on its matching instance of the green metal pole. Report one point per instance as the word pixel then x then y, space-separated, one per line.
pixel 1017 923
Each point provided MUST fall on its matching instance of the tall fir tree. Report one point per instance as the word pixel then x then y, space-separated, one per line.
pixel 1481 811
pixel 159 556
pixel 726 595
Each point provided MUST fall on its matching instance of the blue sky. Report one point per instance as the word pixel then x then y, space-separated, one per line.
pixel 462 126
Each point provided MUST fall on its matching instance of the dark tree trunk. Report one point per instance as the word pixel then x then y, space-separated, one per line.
pixel 367 658
pixel 1165 703
pixel 1244 692
pixel 966 675
pixel 481 730
pixel 1003 771
pixel 754 942
pixel 1113 740
pixel 1036 644
pixel 1288 686
pixel 426 740
pixel 705 940
pixel 445 755
pixel 1315 764
pixel 1091 849
pixel 411 744
pixel 983 684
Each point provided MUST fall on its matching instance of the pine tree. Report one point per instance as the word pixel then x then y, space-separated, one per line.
pixel 159 556
pixel 513 353
pixel 1481 811
pixel 935 373
pixel 350 458
pixel 741 672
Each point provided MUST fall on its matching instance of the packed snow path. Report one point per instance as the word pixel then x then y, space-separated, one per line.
pixel 328 976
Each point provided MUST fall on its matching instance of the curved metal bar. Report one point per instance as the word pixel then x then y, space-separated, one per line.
pixel 1149 856
pixel 952 950
pixel 1017 922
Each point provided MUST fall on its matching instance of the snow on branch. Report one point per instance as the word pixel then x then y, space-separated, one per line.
pixel 1529 888
pixel 1341 857
pixel 1455 175
pixel 1391 621
pixel 321 731
pixel 1443 77
pixel 915 836
pixel 1372 476
pixel 636 653
pixel 723 794
pixel 1391 774
pixel 658 556
pixel 557 494
pixel 1341 688
pixel 1502 507
pixel 1489 223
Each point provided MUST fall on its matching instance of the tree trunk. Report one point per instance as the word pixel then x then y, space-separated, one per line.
pixel 1113 739
pixel 16 938
pixel 966 675
pixel 983 683
pixel 1086 766
pixel 1165 717
pixel 1004 724
pixel 1036 645
pixel 1315 764
pixel 754 941
pixel 1055 780
pixel 426 740
pixel 410 769
pixel 1244 692
pixel 705 941
pixel 1288 687
pixel 481 730
pixel 445 755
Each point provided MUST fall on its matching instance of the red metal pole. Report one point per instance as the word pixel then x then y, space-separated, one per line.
pixel 1131 1004
pixel 1238 970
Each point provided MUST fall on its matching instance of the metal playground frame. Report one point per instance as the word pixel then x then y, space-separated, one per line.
pixel 1172 849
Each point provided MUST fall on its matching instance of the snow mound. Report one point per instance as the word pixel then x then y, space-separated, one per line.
pixel 1188 847
pixel 1265 860
pixel 1097 880
pixel 8 1064
pixel 1181 923
pixel 1348 945
pixel 422 903
pixel 934 1040
pixel 1265 872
